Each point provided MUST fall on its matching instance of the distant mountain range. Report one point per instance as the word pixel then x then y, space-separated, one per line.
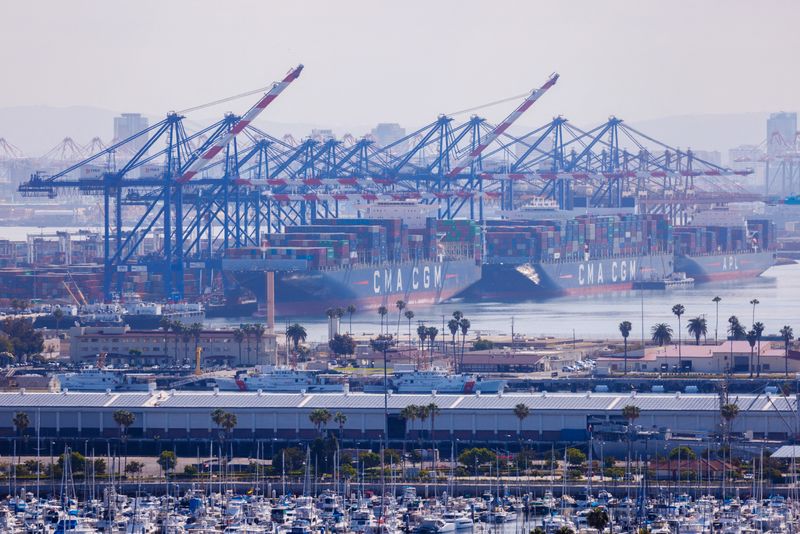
pixel 37 129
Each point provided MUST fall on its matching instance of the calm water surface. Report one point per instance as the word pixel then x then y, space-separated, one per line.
pixel 778 291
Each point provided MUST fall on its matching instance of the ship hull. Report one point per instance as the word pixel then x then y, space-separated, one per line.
pixel 727 266
pixel 523 281
pixel 311 292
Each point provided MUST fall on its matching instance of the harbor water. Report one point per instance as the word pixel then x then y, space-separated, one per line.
pixel 595 316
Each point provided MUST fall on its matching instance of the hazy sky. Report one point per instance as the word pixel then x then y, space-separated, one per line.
pixel 405 61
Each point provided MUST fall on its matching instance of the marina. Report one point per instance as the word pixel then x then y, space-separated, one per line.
pixel 363 268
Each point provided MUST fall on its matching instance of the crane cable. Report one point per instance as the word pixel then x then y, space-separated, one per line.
pixel 266 88
pixel 490 104
pixel 227 99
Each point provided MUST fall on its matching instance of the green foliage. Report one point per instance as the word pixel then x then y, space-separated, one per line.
pixel 575 456
pixel 615 473
pixel 167 460
pixel 525 458
pixel 348 471
pixel 25 341
pixel 369 459
pixel 134 467
pixel 77 461
pixel 99 466
pixel 661 333
pixel 124 419
pixel 482 344
pixel 190 470
pixel 342 345
pixel 683 452
pixel 609 461
pixel 597 518
pixel 293 456
pixel 392 457
pixel 479 455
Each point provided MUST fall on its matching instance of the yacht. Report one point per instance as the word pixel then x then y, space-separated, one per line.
pixel 435 525
pixel 283 379
pixel 94 379
pixel 441 381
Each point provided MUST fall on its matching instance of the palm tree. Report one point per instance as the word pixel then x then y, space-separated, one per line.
pixel 521 411
pixel 124 420
pixel 432 411
pixel 382 311
pixel 58 314
pixel 597 518
pixel 661 333
pixel 453 326
pixel 319 417
pixel 296 333
pixel 754 302
pixel 716 300
pixel 728 412
pixel 758 328
pixel 432 332
pixel 464 324
pixel 238 337
pixel 409 315
pixel 351 309
pixel 177 330
pixel 216 416
pixel 165 324
pixel 698 328
pixel 186 337
pixel 401 305
pixel 21 423
pixel 625 329
pixel 736 331
pixel 258 330
pixel 787 335
pixel 752 337
pixel 228 422
pixel 422 333
pixel 679 310
pixel 247 329
pixel 422 415
pixel 409 413
pixel 631 413
pixel 196 329
pixel 340 419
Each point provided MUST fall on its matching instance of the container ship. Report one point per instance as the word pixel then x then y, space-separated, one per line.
pixel 588 254
pixel 367 262
pixel 718 253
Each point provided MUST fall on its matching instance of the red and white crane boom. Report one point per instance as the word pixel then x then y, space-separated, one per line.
pixel 502 127
pixel 240 125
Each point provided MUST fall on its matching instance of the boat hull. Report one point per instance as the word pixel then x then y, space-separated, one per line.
pixel 727 266
pixel 311 292
pixel 517 280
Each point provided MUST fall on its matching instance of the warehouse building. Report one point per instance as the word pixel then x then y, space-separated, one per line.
pixel 140 348
pixel 553 417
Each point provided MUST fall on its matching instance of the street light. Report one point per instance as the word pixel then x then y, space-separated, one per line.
pixel 382 344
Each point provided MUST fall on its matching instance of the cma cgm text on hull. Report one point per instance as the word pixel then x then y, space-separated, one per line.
pixel 364 262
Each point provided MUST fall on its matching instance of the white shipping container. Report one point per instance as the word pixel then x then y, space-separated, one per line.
pixel 91 171
pixel 151 170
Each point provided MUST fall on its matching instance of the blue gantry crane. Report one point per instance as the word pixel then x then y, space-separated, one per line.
pixel 191 197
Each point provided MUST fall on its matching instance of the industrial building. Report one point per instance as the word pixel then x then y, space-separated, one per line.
pixel 553 417
pixel 139 348
pixel 733 356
